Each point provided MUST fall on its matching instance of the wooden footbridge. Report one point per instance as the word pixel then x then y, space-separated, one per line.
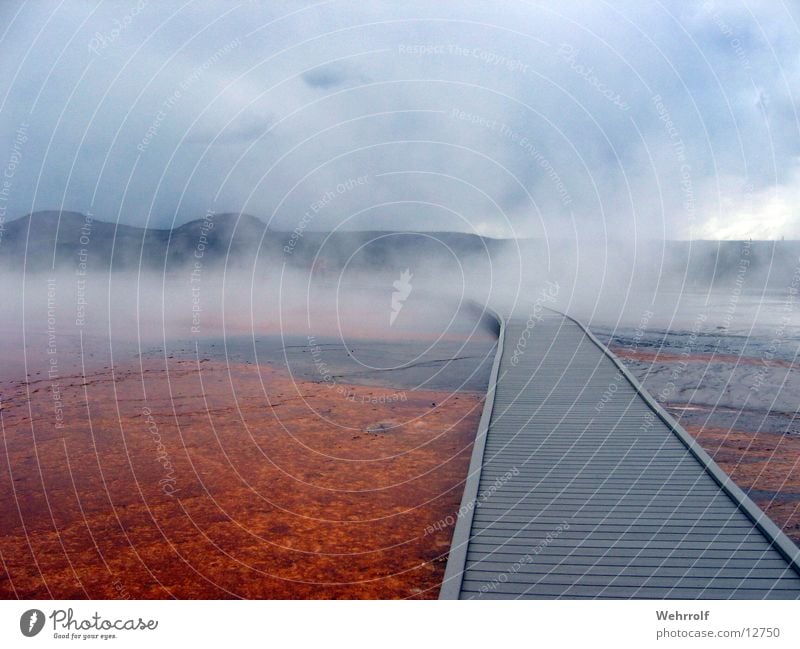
pixel 582 486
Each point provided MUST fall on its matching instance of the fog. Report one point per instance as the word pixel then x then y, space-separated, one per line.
pixel 382 287
pixel 621 120
pixel 589 156
pixel 101 318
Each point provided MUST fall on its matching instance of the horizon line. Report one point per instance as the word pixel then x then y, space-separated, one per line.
pixel 387 231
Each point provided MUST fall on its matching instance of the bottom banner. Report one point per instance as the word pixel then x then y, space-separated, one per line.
pixel 397 624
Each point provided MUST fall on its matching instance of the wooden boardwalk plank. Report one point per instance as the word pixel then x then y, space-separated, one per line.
pixel 581 486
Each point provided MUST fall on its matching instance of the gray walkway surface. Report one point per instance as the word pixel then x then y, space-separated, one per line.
pixel 581 486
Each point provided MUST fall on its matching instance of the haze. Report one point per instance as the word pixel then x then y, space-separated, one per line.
pixel 590 121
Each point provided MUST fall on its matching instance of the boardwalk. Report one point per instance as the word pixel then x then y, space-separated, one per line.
pixel 582 487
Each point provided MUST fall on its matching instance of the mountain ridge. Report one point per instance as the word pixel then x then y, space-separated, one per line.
pixel 52 239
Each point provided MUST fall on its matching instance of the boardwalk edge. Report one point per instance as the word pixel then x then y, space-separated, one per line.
pixel 457 558
pixel 777 538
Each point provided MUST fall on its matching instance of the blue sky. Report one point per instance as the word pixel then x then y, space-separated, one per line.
pixel 671 119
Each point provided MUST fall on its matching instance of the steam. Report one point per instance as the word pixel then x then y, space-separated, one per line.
pixel 737 285
pixel 622 121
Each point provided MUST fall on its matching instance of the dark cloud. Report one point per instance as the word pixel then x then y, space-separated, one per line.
pixel 327 76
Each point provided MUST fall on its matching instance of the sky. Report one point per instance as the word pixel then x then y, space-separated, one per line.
pixel 654 120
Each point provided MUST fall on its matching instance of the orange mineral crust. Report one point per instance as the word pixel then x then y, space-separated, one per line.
pixel 647 356
pixel 207 480
pixel 767 466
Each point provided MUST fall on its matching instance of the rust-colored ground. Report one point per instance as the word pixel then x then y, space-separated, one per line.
pixel 647 356
pixel 191 483
pixel 764 464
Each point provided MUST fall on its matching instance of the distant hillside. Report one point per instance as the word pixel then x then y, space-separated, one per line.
pixel 43 240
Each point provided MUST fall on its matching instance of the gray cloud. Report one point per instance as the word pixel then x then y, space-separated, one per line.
pixel 327 76
pixel 655 120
